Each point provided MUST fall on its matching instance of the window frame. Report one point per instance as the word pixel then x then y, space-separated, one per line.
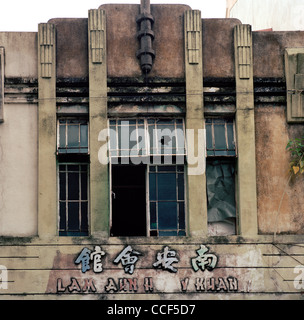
pixel 79 200
pixel 147 136
pixel 234 142
pixel 71 118
pixel 231 158
pixel 184 201
pixel 75 157
pixel 148 165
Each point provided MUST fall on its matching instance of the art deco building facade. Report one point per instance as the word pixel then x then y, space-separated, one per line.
pixel 143 153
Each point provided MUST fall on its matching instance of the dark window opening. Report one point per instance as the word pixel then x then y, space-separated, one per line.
pixel 128 200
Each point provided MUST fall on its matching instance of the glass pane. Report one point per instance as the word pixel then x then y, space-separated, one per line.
pixel 62 140
pixel 180 137
pixel 73 136
pixel 167 215
pixel 142 141
pixel 220 137
pixel 166 183
pixel 221 153
pixel 84 216
pixel 62 186
pixel 73 167
pixel 133 141
pixel 153 140
pixel 62 215
pixel 180 183
pixel 73 186
pixel 153 221
pixel 113 137
pixel 166 168
pixel 209 136
pixel 84 135
pixel 124 140
pixel 181 215
pixel 167 233
pixel 230 135
pixel 84 186
pixel 126 122
pixel 165 122
pixel 220 190
pixel 73 216
pixel 152 186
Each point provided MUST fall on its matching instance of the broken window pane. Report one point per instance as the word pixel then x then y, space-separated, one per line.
pixel 133 137
pixel 221 206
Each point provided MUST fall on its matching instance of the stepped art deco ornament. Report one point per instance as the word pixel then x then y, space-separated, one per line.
pixel 145 36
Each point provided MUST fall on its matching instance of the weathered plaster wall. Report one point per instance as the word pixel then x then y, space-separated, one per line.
pixel 72 47
pixel 122 40
pixel 18 171
pixel 18 142
pixel 268 51
pixel 280 206
pixel 218 48
pixel 20 54
pixel 241 271
pixel 275 190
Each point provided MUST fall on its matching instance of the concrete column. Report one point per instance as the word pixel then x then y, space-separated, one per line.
pixel 47 190
pixel 245 132
pixel 196 179
pixel 99 173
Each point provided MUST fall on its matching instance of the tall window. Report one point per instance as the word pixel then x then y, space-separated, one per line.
pixel 73 172
pixel 73 199
pixel 167 201
pixel 148 198
pixel 220 176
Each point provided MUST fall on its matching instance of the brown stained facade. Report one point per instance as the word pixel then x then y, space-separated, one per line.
pixel 227 226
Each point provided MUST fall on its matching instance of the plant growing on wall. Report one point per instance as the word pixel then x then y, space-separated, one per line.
pixel 296 149
pixel 296 167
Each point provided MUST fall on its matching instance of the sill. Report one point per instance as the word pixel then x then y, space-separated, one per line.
pixel 178 240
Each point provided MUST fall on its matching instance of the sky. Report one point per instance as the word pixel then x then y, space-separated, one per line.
pixel 25 15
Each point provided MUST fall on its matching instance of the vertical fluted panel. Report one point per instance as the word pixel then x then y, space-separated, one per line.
pixel 46 42
pixel 193 30
pixel 243 38
pixel 97 22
